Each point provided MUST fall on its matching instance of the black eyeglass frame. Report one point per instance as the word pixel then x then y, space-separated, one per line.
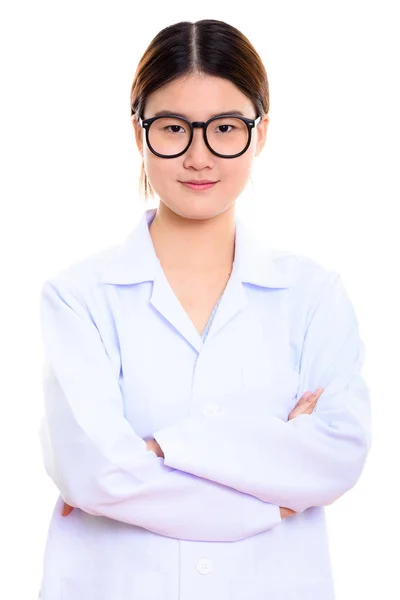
pixel 145 123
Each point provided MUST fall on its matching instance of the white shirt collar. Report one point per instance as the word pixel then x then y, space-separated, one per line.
pixel 136 261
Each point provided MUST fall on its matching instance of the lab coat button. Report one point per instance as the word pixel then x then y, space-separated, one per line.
pixel 204 566
pixel 210 409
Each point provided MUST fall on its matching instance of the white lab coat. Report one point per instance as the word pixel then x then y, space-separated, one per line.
pixel 124 363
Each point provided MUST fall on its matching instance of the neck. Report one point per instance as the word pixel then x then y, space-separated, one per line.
pixel 194 244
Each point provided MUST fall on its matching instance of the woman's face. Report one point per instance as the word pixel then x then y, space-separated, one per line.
pixel 198 98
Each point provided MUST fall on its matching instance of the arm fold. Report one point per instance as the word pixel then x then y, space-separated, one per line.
pixel 310 460
pixel 97 461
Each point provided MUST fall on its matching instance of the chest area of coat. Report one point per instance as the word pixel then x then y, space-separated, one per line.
pixel 198 296
pixel 249 366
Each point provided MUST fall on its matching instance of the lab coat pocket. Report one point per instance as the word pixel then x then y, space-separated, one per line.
pixel 143 586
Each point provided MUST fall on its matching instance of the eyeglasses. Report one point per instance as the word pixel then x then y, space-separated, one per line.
pixel 227 136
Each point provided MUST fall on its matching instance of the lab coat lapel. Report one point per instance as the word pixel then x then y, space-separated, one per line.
pixel 166 302
pixel 136 261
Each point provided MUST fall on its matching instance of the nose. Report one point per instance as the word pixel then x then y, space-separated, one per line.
pixel 198 153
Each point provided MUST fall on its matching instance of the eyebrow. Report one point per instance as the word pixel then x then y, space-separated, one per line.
pixel 169 113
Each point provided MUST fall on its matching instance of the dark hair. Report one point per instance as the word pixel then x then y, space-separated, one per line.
pixel 206 47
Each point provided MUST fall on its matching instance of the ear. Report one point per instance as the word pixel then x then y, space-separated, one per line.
pixel 261 134
pixel 138 133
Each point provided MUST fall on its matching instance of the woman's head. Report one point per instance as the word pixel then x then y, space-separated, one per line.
pixel 199 70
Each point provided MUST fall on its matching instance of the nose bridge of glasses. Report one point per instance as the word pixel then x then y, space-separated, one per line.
pixel 202 126
pixel 199 124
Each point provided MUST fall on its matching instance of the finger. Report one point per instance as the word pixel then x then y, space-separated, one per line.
pixel 300 410
pixel 305 407
pixel 67 509
pixel 315 396
pixel 286 512
pixel 307 401
pixel 310 396
pixel 309 409
pixel 312 403
pixel 305 397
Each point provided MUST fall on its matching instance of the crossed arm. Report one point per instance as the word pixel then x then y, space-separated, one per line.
pixel 245 469
pixel 304 406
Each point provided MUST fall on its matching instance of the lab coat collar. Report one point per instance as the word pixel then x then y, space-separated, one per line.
pixel 136 261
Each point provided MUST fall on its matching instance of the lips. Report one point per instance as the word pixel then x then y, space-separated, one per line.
pixel 200 181
pixel 199 186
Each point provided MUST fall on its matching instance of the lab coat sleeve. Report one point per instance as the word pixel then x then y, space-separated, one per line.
pixel 95 458
pixel 310 460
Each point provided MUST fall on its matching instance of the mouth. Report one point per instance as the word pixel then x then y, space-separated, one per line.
pixel 199 186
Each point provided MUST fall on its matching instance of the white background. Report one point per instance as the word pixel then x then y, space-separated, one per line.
pixel 326 185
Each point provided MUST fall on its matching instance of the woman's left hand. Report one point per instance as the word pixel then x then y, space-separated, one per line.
pixel 151 445
pixel 67 509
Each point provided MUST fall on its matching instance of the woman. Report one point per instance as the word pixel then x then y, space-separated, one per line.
pixel 184 366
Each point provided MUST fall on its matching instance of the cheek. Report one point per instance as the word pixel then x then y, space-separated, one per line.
pixel 235 176
pixel 162 173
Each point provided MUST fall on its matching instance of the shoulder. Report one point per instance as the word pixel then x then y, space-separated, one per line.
pixel 309 280
pixel 312 286
pixel 84 273
pixel 301 268
pixel 294 269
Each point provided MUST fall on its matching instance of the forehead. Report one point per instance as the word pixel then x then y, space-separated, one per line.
pixel 198 97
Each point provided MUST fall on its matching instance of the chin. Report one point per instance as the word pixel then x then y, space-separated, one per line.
pixel 189 209
pixel 201 212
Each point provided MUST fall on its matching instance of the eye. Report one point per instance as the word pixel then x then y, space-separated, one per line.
pixel 176 127
pixel 225 125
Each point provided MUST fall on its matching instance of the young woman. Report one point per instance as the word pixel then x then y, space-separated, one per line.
pixel 200 386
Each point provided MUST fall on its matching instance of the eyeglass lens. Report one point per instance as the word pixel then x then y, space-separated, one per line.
pixel 170 135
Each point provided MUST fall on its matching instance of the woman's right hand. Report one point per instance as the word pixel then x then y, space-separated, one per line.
pixel 305 406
